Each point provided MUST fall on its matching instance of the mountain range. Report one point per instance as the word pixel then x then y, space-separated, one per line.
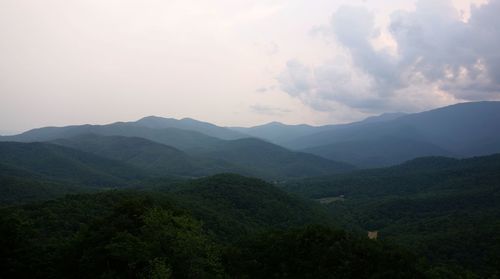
pixel 461 130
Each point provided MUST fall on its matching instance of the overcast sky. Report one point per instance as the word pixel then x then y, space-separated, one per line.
pixel 242 62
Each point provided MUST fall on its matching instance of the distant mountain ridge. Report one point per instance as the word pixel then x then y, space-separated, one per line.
pixel 461 130
pixel 245 156
pixel 384 151
pixel 166 146
pixel 206 128
pixel 282 134
pixel 185 140
pixel 279 133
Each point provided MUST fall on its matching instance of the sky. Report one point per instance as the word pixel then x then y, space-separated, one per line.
pixel 244 62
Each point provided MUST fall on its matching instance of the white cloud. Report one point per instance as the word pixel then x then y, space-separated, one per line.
pixel 93 61
pixel 433 57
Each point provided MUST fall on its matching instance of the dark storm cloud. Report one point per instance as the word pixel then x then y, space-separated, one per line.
pixel 436 49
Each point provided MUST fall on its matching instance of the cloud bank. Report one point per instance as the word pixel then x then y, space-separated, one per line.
pixel 437 58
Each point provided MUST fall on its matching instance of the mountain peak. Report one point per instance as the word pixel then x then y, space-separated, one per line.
pixel 274 123
pixel 156 122
pixel 154 118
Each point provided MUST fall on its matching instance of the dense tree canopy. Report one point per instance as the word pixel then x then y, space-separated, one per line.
pixel 445 209
pixel 135 234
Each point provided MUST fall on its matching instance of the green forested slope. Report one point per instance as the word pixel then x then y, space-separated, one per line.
pixel 29 188
pixel 53 162
pixel 139 234
pixel 267 160
pixel 153 157
pixel 446 209
pixel 245 156
pixel 233 205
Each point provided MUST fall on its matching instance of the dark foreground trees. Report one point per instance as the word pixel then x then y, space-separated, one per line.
pixel 112 235
pixel 144 235
pixel 318 252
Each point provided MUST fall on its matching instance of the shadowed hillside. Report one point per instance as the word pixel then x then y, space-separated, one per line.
pixel 148 155
pixel 446 209
pixel 268 160
pixel 53 162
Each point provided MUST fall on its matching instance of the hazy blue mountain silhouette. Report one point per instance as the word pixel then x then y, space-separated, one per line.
pixel 462 130
pixel 179 138
pixel 190 124
pixel 282 134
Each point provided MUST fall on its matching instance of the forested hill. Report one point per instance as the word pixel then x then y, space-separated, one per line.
pixel 148 155
pixel 418 176
pixel 209 228
pixel 250 156
pixel 445 209
pixel 259 158
pixel 34 171
pixel 58 163
pixel 233 205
